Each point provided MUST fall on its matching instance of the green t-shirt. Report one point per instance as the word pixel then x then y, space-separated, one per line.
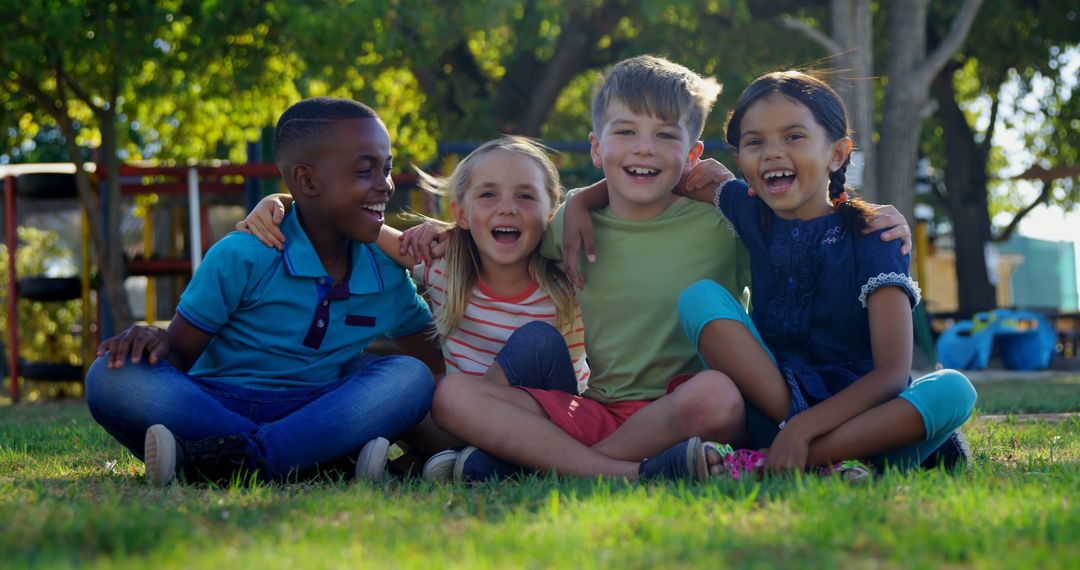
pixel 629 304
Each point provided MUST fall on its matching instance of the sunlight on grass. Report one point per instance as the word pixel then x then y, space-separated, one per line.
pixel 70 495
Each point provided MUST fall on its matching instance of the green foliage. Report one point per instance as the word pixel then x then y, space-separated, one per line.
pixel 44 327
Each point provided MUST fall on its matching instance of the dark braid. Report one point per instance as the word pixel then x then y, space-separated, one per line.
pixel 854 211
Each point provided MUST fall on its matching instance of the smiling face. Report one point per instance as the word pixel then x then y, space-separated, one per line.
pixel 643 158
pixel 787 157
pixel 505 207
pixel 351 177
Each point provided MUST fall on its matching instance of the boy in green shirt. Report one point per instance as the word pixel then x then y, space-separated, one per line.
pixel 647 116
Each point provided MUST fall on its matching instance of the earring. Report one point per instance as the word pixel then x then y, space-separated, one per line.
pixel 750 191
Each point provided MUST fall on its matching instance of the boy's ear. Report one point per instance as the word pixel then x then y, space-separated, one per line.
pixel 459 215
pixel 695 153
pixel 594 150
pixel 840 151
pixel 302 179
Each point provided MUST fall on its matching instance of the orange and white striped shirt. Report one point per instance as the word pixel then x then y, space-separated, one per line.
pixel 489 320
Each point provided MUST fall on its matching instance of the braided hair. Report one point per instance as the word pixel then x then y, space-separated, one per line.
pixel 828 111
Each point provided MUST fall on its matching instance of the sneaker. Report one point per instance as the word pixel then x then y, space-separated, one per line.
pixel 475 465
pixel 739 463
pixel 952 453
pixel 440 467
pixel 849 471
pixel 684 460
pixel 215 458
pixel 371 463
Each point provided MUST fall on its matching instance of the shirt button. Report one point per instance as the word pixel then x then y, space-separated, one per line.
pixel 320 324
pixel 325 303
pixel 795 232
pixel 322 281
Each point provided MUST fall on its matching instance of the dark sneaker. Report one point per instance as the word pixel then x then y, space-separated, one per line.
pixel 371 463
pixel 684 460
pixel 953 453
pixel 215 459
pixel 440 467
pixel 477 465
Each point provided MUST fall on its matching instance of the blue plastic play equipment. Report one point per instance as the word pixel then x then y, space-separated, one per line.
pixel 1025 341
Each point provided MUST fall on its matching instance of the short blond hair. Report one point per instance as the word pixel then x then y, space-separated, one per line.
pixel 654 86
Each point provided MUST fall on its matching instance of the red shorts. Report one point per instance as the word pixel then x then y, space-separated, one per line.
pixel 587 420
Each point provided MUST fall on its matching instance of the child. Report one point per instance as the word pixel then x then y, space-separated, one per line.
pixel 499 305
pixel 647 116
pixel 827 355
pixel 234 384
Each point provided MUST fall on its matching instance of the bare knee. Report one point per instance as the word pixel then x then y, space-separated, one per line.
pixel 710 405
pixel 448 401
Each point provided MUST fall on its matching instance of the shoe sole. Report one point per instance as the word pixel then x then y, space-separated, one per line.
pixel 371 463
pixel 159 455
pixel 440 467
pixel 459 464
pixel 696 460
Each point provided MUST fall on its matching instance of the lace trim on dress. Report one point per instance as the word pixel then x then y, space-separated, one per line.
pixel 902 280
pixel 716 203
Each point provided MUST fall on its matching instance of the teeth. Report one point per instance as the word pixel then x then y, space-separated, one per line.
pixel 512 230
pixel 380 207
pixel 641 170
pixel 778 173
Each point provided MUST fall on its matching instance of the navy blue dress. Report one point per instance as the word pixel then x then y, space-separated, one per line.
pixel 810 281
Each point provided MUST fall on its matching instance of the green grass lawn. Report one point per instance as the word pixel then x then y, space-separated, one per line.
pixel 70 496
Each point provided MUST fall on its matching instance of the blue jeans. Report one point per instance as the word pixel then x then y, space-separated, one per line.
pixel 536 356
pixel 944 398
pixel 286 430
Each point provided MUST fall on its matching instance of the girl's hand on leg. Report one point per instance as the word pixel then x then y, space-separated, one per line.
pixel 788 452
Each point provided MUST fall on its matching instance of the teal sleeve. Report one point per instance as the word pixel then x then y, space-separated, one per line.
pixel 219 284
pixel 551 247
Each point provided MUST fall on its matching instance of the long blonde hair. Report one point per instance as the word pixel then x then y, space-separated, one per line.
pixel 462 260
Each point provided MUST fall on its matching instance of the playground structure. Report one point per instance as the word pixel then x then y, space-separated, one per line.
pixel 199 185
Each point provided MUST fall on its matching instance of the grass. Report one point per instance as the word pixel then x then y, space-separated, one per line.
pixel 70 496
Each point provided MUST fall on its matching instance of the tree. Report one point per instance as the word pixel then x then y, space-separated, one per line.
pixel 1022 42
pixel 85 66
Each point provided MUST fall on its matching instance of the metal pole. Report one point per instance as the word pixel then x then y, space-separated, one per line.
pixel 13 287
pixel 194 219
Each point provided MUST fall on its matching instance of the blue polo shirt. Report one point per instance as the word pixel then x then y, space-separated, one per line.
pixel 278 319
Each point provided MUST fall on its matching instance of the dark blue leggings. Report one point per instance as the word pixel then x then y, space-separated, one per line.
pixel 536 356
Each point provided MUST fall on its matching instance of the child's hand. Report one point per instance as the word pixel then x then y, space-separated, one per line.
pixel 888 216
pixel 133 342
pixel 788 452
pixel 577 234
pixel 426 242
pixel 264 220
pixel 701 182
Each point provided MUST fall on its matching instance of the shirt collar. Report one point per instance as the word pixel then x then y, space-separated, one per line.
pixel 301 260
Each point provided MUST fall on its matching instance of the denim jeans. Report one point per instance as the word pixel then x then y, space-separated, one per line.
pixel 285 430
pixel 536 356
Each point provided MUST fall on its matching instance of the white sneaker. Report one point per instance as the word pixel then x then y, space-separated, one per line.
pixel 440 467
pixel 371 463
pixel 159 455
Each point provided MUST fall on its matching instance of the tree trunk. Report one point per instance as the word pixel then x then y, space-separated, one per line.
pixel 965 199
pixel 114 271
pixel 853 34
pixel 901 120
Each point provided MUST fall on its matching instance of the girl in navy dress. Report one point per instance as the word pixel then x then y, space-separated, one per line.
pixel 824 360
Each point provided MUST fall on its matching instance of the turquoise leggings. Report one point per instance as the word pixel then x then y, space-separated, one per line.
pixel 943 398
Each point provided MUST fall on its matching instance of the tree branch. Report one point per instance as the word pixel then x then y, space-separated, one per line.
pixel 1044 196
pixel 958 31
pixel 985 147
pixel 812 33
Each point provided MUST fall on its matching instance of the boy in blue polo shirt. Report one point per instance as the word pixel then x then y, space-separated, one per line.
pixel 262 367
